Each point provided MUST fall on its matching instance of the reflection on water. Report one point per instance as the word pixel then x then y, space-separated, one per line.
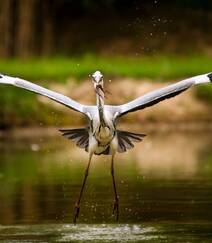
pixel 71 233
pixel 165 187
pixel 107 233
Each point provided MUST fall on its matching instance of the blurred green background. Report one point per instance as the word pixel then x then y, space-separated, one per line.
pixel 62 42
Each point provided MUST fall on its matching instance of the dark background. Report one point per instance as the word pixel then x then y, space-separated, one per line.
pixel 72 27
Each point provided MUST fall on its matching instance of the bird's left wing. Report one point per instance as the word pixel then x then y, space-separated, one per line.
pixel 158 95
pixel 4 79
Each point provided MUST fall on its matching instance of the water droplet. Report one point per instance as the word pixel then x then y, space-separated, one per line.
pixel 35 147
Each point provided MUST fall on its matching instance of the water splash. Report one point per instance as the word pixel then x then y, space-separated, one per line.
pixel 79 233
pixel 108 233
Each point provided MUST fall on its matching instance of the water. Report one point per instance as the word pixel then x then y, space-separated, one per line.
pixel 164 184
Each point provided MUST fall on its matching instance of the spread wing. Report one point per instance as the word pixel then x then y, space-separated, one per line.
pixel 158 95
pixel 62 99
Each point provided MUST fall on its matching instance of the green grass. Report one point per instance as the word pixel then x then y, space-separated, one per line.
pixel 23 108
pixel 60 68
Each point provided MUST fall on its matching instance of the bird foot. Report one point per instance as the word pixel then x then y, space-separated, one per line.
pixel 116 209
pixel 76 212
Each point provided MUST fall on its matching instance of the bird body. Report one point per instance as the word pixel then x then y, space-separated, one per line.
pixel 101 135
pixel 103 131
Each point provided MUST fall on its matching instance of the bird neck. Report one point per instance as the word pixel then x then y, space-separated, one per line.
pixel 100 104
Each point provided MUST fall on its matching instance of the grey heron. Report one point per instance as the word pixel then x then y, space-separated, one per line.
pixel 101 135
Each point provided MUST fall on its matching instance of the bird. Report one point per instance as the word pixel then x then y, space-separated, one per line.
pixel 101 136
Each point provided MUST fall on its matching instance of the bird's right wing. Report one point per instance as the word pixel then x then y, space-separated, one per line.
pixel 62 99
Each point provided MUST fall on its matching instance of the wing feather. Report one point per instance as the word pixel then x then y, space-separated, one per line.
pixel 126 139
pixel 159 95
pixel 80 136
pixel 24 84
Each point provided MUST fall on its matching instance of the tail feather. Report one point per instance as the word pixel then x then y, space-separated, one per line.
pixel 127 143
pixel 126 139
pixel 80 136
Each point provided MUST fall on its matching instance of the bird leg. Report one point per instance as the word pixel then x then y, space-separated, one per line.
pixel 77 205
pixel 116 199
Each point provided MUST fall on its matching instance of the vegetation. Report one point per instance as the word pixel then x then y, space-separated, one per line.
pixel 61 68
pixel 24 108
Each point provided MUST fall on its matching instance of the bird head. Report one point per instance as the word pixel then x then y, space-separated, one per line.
pixel 97 79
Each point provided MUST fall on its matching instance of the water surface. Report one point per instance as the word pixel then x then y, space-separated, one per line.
pixel 164 184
